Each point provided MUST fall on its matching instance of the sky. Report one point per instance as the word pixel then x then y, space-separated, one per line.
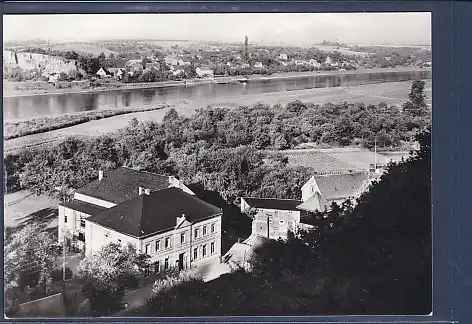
pixel 300 29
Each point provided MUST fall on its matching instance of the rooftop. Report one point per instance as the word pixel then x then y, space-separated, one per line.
pixel 270 203
pixel 83 207
pixel 338 186
pixel 153 213
pixel 123 184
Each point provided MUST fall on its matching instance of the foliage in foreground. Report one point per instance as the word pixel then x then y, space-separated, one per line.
pixel 375 259
pixel 29 259
pixel 107 274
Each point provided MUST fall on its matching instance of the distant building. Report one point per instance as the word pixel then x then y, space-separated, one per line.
pixel 178 72
pixel 204 72
pixel 170 60
pixel 183 63
pixel 258 65
pixel 54 77
pixel 328 60
pixel 103 73
pixel 314 63
pixel 283 57
pixel 245 66
pixel 153 65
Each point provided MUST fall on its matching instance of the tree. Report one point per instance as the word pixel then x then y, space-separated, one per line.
pixel 107 273
pixel 416 106
pixel 30 249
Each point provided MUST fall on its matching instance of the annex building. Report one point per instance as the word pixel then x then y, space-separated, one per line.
pixel 274 218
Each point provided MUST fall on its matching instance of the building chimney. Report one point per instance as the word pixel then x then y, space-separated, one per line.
pixel 141 190
pixel 100 175
pixel 147 191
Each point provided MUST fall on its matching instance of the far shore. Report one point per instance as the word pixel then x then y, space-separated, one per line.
pixel 20 89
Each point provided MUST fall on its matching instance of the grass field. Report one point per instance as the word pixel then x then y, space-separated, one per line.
pixel 80 48
pixel 37 125
pixel 338 159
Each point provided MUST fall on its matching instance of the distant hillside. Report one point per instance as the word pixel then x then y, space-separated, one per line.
pixel 37 62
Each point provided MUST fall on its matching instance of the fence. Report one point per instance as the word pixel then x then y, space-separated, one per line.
pixel 337 172
pixel 50 306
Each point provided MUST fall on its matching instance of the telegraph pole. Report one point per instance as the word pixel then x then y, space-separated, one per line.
pixel 375 154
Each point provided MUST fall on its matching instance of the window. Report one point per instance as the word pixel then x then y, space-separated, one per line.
pixel 119 241
pixel 107 234
pixel 167 244
pixel 158 245
pixel 147 272
pixel 146 249
pixel 82 222
pixel 204 251
pixel 65 219
pixel 195 253
pixel 81 237
pixel 281 222
pixel 156 267
pixel 204 230
pixel 182 238
pixel 197 233
pixel 213 228
pixel 212 247
pixel 166 264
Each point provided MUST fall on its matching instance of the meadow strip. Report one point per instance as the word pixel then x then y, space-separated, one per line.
pixel 45 124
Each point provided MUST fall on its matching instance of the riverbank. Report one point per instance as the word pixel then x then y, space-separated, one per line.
pixel 29 88
pixel 393 93
pixel 49 123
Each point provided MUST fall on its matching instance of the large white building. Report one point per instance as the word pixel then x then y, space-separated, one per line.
pixel 157 214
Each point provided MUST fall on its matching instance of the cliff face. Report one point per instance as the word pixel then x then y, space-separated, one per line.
pixel 38 62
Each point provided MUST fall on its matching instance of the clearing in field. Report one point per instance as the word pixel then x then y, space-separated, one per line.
pixel 25 208
pixel 339 159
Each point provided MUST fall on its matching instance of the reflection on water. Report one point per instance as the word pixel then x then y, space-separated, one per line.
pixel 40 105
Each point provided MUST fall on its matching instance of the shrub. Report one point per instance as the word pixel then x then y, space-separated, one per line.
pixel 57 274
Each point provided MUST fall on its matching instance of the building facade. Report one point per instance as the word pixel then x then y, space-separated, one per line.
pixel 272 218
pixel 107 191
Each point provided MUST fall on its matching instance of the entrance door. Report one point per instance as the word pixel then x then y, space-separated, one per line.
pixel 181 261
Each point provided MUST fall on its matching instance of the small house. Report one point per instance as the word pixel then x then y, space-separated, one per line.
pixel 154 65
pixel 283 57
pixel 170 60
pixel 183 63
pixel 204 72
pixel 258 65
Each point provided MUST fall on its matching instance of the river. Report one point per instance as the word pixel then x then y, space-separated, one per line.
pixel 24 107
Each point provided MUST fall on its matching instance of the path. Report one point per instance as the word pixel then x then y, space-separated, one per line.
pixel 208 270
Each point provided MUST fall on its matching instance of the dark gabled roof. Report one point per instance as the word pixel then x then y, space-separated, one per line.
pixel 337 186
pixel 123 184
pixel 153 213
pixel 269 203
pixel 83 207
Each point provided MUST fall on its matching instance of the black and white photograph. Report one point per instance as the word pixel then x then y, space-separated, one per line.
pixel 237 164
